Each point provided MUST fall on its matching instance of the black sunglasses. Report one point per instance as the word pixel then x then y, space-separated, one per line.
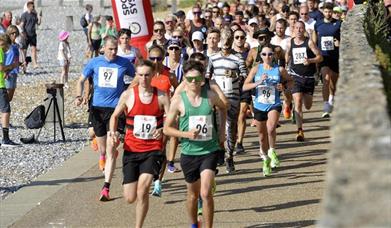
pixel 177 37
pixel 173 48
pixel 156 58
pixel 197 13
pixel 240 37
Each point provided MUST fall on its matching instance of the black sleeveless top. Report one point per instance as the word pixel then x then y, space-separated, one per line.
pixel 298 53
pixel 202 29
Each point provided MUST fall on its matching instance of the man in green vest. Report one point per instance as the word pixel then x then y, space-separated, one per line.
pixel 199 140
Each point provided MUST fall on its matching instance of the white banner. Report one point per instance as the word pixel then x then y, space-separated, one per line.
pixel 131 15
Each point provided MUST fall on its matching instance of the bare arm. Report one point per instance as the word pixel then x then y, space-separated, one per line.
pixel 79 90
pixel 318 57
pixel 287 53
pixel 250 58
pixel 248 83
pixel 112 138
pixel 173 112
pixel 222 109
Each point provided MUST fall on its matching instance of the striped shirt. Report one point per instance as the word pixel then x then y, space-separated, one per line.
pixel 227 71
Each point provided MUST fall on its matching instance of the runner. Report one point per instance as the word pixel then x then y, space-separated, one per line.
pixel 327 34
pixel 199 141
pixel 213 40
pixel 227 70
pixel 267 78
pixel 144 107
pixel 302 55
pixel 108 72
pixel 125 49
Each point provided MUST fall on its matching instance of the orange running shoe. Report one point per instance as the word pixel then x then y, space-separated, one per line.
pixel 287 112
pixel 94 144
pixel 102 163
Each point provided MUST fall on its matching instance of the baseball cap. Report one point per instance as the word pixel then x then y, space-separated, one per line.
pixel 197 35
pixel 173 43
pixel 180 13
pixel 337 9
pixel 321 5
pixel 227 18
pixel 252 21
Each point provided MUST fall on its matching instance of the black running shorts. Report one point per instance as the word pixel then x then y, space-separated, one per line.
pixel 134 164
pixel 100 119
pixel 193 165
pixel 303 85
pixel 262 115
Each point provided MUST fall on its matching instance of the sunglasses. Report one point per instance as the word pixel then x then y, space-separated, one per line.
pixel 158 30
pixel 303 13
pixel 197 78
pixel 156 58
pixel 173 48
pixel 169 22
pixel 240 37
pixel 197 13
pixel 261 38
pixel 177 37
pixel 267 54
pixel 215 11
pixel 13 33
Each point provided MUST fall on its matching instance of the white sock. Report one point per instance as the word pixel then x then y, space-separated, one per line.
pixel 331 99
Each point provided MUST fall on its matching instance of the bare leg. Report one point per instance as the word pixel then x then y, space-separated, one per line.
pixel 11 93
pixel 298 98
pixel 207 177
pixel 110 161
pixel 34 56
pixel 271 124
pixel 263 139
pixel 144 182
pixel 193 191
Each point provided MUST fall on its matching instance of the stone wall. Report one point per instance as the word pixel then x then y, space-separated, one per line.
pixel 358 191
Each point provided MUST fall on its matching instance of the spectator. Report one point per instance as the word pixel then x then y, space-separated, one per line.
pixel 7 19
pixel 29 21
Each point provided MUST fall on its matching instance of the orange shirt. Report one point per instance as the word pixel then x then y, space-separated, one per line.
pixel 162 81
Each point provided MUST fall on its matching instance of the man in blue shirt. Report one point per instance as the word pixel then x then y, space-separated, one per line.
pixel 107 72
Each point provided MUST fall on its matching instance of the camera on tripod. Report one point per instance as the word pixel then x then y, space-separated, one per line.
pixel 52 88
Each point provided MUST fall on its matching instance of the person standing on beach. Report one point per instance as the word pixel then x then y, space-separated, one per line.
pixel 5 107
pixel 64 56
pixel 30 20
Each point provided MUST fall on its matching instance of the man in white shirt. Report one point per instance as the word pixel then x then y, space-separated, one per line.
pixel 280 39
pixel 308 21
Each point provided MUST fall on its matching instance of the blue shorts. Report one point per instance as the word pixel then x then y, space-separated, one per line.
pixel 10 82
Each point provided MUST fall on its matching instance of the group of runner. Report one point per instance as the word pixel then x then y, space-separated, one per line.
pixel 218 69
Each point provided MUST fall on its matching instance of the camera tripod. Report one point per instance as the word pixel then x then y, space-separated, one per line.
pixel 56 114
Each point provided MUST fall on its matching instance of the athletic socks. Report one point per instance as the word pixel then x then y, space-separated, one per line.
pixel 106 185
pixel 5 134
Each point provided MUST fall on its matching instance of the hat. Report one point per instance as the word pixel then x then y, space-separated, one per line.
pixel 63 35
pixel 197 35
pixel 180 13
pixel 264 31
pixel 173 43
pixel 220 5
pixel 252 21
pixel 337 9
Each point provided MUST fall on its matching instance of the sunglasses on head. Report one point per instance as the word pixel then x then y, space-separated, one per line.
pixel 267 54
pixel 173 48
pixel 239 37
pixel 197 78
pixel 156 58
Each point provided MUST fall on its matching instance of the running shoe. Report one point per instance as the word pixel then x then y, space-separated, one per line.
pixel 239 149
pixel 274 159
pixel 157 189
pixel 288 112
pixel 300 136
pixel 104 195
pixel 9 143
pixel 230 166
pixel 94 144
pixel 199 206
pixel 266 169
pixel 172 168
pixel 102 163
pixel 327 109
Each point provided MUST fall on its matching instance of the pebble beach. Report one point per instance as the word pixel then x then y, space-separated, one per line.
pixel 20 165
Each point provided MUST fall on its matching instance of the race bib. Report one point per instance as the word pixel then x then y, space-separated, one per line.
pixel 204 125
pixel 266 94
pixel 225 84
pixel 299 55
pixel 144 126
pixel 327 43
pixel 107 77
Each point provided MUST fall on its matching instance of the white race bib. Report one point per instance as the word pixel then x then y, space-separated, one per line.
pixel 225 84
pixel 266 94
pixel 327 43
pixel 299 55
pixel 204 125
pixel 107 77
pixel 144 126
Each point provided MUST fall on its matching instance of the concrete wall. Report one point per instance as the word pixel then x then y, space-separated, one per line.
pixel 358 192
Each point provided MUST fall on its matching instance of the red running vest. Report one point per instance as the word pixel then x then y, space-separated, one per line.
pixel 141 120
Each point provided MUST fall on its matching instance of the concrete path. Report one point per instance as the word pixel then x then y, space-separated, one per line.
pixel 291 197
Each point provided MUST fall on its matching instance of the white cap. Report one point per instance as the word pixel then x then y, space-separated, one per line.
pixel 220 5
pixel 251 2
pixel 197 35
pixel 302 1
pixel 329 1
pixel 252 21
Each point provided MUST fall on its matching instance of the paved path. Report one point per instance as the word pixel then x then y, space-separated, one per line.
pixel 291 197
